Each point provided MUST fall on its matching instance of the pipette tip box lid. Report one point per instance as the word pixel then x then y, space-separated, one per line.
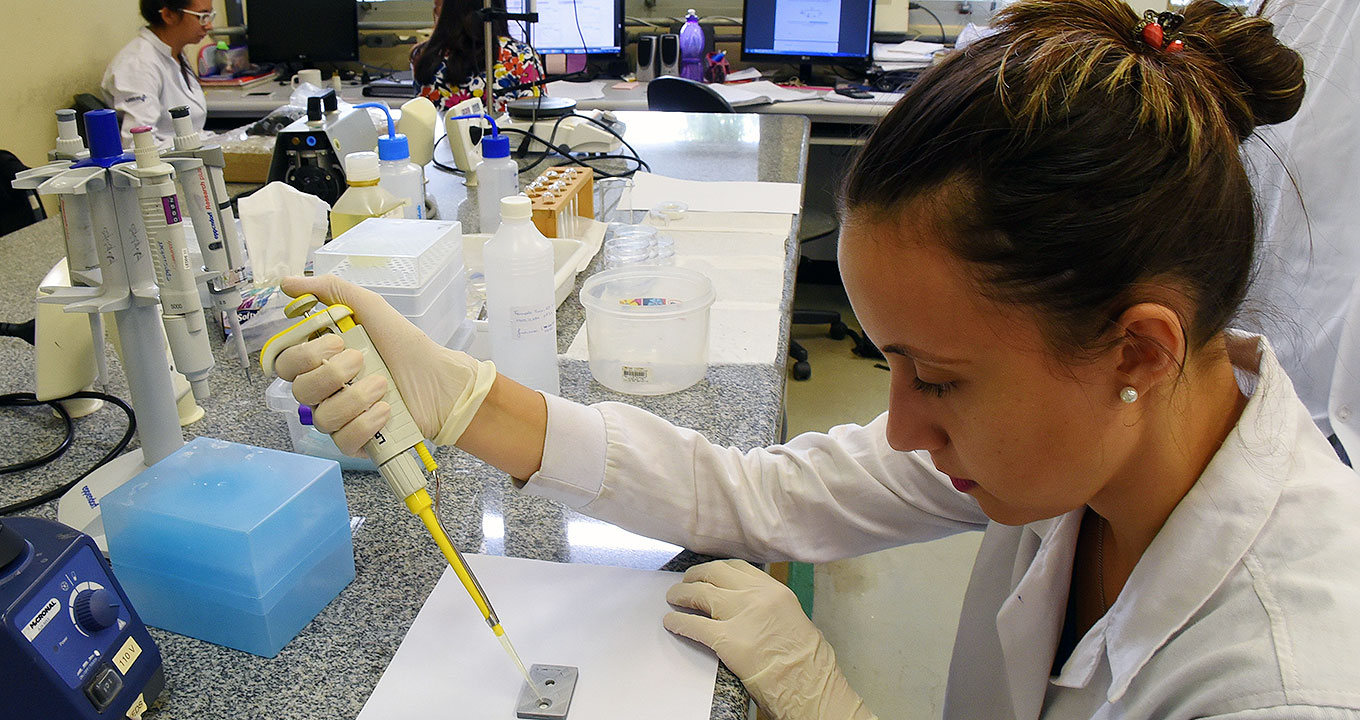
pixel 408 262
pixel 233 544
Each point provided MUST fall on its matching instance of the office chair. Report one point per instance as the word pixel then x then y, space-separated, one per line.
pixel 18 208
pixel 675 94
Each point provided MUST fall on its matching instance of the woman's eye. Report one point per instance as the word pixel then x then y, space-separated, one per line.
pixel 935 389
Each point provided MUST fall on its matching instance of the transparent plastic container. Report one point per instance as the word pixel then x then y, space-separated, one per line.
pixel 408 262
pixel 233 544
pixel 307 440
pixel 647 328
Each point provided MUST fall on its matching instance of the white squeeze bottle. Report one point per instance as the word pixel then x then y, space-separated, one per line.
pixel 520 306
pixel 364 199
pixel 401 177
pixel 497 177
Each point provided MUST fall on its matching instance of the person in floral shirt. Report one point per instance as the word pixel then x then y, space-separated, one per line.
pixel 449 67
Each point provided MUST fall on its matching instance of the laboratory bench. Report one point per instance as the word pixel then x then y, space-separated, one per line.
pixel 331 667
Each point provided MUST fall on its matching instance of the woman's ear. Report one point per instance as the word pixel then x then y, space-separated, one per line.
pixel 1153 349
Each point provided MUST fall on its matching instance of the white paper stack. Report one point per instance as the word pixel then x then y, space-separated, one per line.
pixel 908 55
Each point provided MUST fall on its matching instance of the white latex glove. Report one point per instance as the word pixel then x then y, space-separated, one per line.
pixel 760 632
pixel 442 388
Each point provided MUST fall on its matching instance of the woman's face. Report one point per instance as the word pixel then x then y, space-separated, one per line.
pixel 973 384
pixel 186 27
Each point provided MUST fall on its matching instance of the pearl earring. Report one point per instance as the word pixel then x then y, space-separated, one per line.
pixel 1129 395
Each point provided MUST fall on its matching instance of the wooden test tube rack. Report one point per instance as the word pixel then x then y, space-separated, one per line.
pixel 561 197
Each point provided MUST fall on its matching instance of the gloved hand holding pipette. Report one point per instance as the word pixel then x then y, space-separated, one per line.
pixel 442 388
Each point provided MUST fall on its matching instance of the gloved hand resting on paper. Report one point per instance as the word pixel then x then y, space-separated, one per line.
pixel 442 388
pixel 760 632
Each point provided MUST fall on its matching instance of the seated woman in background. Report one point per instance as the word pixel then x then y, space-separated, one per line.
pixel 150 75
pixel 450 66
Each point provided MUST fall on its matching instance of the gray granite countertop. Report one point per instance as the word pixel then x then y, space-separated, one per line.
pixel 329 670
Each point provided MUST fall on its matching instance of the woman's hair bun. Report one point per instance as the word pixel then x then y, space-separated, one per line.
pixel 1270 73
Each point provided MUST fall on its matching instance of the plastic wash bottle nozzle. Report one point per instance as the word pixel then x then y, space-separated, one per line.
pixel 497 175
pixel 397 174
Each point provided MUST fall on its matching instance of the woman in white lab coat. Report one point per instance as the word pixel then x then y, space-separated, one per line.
pixel 1048 237
pixel 150 75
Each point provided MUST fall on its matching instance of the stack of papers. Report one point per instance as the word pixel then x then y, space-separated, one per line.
pixel 761 92
pixel 909 55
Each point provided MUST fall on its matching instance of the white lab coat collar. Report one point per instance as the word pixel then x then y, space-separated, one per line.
pixel 157 43
pixel 1203 539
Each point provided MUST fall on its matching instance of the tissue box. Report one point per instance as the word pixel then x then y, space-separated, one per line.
pixel 232 544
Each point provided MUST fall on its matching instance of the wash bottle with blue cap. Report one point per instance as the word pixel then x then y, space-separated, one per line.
pixel 396 173
pixel 497 175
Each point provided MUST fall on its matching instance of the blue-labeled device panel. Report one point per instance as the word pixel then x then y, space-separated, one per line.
pixel 74 619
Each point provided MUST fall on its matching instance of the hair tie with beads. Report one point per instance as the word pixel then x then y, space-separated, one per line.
pixel 1159 30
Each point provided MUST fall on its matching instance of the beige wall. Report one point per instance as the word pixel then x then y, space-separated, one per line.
pixel 50 52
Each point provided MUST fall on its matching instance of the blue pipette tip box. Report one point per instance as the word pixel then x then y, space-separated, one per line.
pixel 236 545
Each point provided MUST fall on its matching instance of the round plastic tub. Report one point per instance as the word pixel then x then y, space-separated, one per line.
pixel 647 328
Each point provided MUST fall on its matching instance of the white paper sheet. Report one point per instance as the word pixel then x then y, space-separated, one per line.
pixel 778 93
pixel 726 196
pixel 590 90
pixel 606 621
pixel 744 74
pixel 761 92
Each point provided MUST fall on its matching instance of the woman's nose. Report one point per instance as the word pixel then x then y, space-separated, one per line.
pixel 911 425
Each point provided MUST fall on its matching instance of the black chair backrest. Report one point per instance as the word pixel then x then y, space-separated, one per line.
pixel 674 94
pixel 18 208
pixel 83 103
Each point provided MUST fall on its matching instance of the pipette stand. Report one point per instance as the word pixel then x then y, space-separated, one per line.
pixel 123 285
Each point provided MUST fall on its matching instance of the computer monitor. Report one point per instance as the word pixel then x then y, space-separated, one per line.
pixel 572 27
pixel 301 32
pixel 807 32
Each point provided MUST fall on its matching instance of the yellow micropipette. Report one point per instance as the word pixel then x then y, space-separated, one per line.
pixel 390 447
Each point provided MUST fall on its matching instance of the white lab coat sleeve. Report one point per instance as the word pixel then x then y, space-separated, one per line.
pixel 819 497
pixel 132 87
pixel 1290 712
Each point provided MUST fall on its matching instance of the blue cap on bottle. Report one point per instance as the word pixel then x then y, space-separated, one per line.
pixel 495 146
pixel 106 145
pixel 394 148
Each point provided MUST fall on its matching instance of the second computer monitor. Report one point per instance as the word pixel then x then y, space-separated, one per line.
pixel 573 27
pixel 807 31
pixel 302 31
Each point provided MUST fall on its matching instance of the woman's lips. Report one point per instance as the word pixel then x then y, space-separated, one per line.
pixel 963 485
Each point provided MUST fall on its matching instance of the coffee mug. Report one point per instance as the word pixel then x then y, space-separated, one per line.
pixel 309 75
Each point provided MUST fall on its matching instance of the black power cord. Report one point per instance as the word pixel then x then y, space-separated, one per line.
pixel 30 400
pixel 918 6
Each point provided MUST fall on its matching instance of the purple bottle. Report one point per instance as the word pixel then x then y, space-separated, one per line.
pixel 692 49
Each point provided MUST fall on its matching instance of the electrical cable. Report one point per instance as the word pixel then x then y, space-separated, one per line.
pixel 576 11
pixel 919 6
pixel 117 450
pixel 30 400
pixel 440 165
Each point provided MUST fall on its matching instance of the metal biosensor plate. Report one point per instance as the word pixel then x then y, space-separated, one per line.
pixel 550 698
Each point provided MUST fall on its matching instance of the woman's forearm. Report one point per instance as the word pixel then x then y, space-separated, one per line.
pixel 509 429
